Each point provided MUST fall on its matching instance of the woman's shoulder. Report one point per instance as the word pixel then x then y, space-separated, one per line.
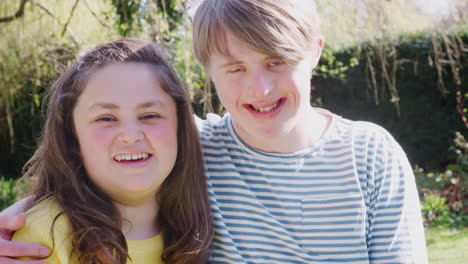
pixel 45 208
pixel 45 224
pixel 47 213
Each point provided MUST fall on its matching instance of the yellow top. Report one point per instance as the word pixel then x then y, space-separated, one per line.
pixel 38 231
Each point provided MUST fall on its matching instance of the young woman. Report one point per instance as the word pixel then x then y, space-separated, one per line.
pixel 118 175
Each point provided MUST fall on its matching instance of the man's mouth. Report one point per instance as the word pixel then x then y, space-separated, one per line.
pixel 267 108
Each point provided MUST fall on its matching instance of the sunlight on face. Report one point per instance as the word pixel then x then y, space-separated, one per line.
pixel 127 130
pixel 266 96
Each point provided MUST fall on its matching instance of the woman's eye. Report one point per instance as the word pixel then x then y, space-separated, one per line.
pixel 150 116
pixel 106 119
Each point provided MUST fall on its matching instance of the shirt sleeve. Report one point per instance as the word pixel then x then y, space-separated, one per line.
pixel 395 233
pixel 198 122
pixel 37 230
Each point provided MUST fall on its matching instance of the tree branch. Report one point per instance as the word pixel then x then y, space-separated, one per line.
pixel 65 27
pixel 18 14
pixel 97 17
pixel 75 40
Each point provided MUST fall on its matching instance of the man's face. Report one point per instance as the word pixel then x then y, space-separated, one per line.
pixel 265 95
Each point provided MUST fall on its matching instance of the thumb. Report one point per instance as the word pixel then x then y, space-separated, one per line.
pixel 9 224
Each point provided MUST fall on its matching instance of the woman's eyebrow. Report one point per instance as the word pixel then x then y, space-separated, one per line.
pixel 157 103
pixel 103 105
pixel 112 106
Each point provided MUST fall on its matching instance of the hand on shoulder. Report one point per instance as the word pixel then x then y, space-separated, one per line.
pixel 11 220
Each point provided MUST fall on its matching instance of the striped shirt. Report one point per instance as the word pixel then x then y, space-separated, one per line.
pixel 351 198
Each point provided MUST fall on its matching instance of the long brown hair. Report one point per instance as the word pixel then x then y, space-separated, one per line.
pixel 57 169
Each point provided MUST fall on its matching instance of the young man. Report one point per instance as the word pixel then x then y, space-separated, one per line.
pixel 290 183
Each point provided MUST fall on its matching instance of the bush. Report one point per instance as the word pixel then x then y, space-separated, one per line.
pixel 403 86
pixel 445 193
pixel 436 212
pixel 8 193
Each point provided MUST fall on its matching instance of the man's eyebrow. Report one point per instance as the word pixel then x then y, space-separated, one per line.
pixel 231 62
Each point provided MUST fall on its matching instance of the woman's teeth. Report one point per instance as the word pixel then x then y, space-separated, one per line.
pixel 131 157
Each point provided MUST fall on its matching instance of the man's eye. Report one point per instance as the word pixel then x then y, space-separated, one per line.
pixel 276 63
pixel 234 70
pixel 150 116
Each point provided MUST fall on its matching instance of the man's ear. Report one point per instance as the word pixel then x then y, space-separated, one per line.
pixel 318 47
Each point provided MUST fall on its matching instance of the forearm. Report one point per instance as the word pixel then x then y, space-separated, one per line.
pixel 15 208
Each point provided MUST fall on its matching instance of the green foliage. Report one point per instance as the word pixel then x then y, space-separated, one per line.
pixel 174 13
pixel 33 51
pixel 20 103
pixel 437 213
pixel 331 67
pixel 9 192
pixel 445 194
pixel 396 84
pixel 126 11
pixel 160 20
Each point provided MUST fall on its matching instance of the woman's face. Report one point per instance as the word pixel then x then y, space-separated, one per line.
pixel 126 126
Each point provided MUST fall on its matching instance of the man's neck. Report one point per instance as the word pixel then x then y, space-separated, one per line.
pixel 139 222
pixel 304 135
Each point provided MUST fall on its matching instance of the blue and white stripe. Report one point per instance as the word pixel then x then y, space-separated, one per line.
pixel 349 199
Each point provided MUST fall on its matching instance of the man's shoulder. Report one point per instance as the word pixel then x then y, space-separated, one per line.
pixel 360 129
pixel 362 135
pixel 211 122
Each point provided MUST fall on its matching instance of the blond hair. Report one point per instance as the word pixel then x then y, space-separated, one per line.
pixel 283 28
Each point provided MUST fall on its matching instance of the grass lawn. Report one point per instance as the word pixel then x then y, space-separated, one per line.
pixel 446 246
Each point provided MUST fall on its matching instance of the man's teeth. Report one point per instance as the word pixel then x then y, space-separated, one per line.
pixel 266 109
pixel 131 157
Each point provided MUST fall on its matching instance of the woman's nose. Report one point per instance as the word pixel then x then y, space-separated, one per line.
pixel 131 134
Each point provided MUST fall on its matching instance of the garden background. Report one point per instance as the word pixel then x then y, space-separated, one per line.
pixel 399 63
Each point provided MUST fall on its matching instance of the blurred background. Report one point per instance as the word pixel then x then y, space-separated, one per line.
pixel 402 64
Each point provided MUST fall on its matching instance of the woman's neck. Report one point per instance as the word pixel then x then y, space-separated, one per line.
pixel 139 222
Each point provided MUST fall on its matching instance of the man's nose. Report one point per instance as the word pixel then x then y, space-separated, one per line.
pixel 261 84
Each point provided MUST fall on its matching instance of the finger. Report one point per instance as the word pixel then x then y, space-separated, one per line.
pixel 4 260
pixel 12 223
pixel 22 249
pixel 8 224
pixel 6 235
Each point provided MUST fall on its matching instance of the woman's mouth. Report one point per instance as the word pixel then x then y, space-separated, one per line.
pixel 132 157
